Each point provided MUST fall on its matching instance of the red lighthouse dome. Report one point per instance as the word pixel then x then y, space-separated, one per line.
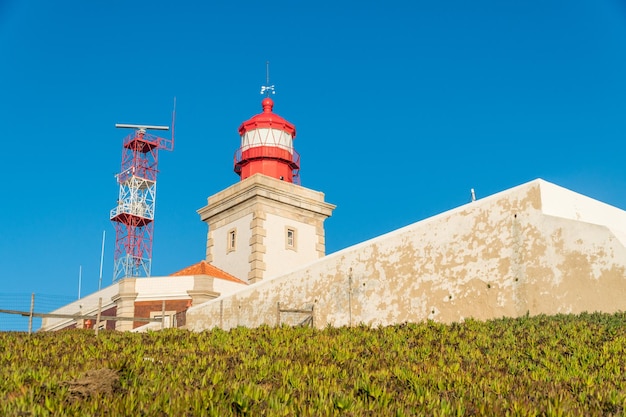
pixel 267 146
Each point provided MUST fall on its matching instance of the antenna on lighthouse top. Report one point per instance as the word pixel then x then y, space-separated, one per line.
pixel 267 88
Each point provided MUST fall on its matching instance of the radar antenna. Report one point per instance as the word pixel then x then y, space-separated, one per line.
pixel 133 216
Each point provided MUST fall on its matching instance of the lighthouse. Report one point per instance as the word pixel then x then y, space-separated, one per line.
pixel 267 223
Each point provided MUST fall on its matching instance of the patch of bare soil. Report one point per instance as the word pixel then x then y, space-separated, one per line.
pixel 103 381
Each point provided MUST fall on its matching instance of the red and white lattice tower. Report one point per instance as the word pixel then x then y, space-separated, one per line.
pixel 267 144
pixel 134 215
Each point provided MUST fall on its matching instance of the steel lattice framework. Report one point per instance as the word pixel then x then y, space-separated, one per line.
pixel 134 215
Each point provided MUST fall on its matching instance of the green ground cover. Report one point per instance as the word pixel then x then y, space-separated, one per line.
pixel 562 365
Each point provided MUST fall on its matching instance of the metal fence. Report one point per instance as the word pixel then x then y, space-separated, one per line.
pixel 24 312
pixel 23 302
pixel 26 316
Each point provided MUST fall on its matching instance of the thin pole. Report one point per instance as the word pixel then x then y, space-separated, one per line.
pixel 104 232
pixel 98 315
pixel 163 315
pixel 350 297
pixel 30 317
pixel 173 122
pixel 80 279
pixel 222 314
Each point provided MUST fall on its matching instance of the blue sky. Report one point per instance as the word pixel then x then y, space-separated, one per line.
pixel 400 107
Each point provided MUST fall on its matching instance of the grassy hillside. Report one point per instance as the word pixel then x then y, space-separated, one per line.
pixel 553 366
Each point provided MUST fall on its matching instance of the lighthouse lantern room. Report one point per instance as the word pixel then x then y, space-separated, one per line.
pixel 267 147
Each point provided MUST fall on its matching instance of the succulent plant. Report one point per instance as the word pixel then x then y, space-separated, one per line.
pixel 558 365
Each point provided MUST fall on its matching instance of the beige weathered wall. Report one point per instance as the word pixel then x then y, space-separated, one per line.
pixel 499 256
pixel 234 262
pixel 278 258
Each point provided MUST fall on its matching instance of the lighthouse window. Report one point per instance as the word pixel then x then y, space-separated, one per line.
pixel 290 238
pixel 231 245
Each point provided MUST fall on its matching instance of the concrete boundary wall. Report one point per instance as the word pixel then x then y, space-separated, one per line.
pixel 561 202
pixel 504 255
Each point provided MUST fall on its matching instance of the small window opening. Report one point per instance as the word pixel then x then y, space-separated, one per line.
pixel 291 238
pixel 231 245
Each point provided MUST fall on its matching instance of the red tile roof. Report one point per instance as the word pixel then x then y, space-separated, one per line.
pixel 205 268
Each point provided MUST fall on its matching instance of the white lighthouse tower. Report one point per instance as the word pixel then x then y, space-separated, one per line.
pixel 267 223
